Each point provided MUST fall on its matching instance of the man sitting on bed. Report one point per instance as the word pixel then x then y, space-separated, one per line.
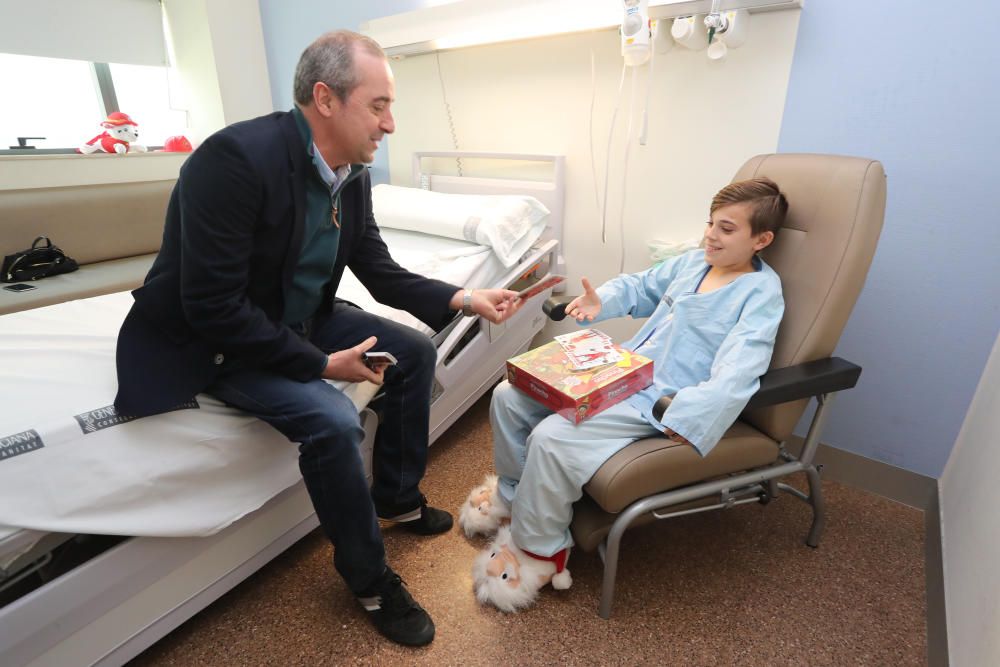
pixel 240 303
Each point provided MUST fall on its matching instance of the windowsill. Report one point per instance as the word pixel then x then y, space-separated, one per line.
pixel 20 172
pixel 17 157
pixel 37 151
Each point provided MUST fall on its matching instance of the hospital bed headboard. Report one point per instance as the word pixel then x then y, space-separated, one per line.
pixel 547 181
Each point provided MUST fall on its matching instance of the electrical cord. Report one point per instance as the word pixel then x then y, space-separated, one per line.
pixel 607 163
pixel 590 135
pixel 628 146
pixel 447 108
pixel 649 87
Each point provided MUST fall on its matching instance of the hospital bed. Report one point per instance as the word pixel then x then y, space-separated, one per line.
pixel 203 496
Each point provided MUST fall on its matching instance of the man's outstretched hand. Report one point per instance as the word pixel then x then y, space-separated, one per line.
pixel 495 305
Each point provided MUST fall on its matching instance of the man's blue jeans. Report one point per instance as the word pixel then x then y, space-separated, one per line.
pixel 327 427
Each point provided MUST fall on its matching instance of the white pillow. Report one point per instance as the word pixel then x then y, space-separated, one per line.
pixel 508 224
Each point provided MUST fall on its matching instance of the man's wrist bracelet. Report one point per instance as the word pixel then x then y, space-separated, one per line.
pixel 467 304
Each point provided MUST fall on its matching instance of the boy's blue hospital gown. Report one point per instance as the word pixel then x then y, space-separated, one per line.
pixel 708 351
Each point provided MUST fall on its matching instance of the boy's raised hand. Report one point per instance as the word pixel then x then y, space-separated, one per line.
pixel 586 306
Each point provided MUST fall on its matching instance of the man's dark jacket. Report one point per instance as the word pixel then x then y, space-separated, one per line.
pixel 231 245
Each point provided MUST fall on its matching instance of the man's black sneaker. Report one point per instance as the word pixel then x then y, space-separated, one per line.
pixel 422 520
pixel 394 612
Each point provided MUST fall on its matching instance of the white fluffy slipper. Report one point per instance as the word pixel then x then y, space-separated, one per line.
pixel 484 510
pixel 509 579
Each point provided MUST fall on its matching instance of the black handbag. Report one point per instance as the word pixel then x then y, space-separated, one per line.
pixel 38 261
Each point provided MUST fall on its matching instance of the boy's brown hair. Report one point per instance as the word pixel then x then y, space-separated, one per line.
pixel 768 205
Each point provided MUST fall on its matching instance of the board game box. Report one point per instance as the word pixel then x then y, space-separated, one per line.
pixel 547 375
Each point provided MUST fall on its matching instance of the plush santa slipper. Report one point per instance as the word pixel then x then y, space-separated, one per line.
pixel 485 510
pixel 509 578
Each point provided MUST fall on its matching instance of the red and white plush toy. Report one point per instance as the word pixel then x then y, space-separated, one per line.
pixel 484 510
pixel 510 578
pixel 119 136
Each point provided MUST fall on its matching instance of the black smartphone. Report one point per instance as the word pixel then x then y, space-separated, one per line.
pixel 19 287
pixel 375 359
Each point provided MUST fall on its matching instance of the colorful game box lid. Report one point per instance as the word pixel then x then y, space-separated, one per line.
pixel 547 375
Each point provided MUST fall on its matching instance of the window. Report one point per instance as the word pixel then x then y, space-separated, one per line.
pixel 144 93
pixel 48 97
pixel 66 100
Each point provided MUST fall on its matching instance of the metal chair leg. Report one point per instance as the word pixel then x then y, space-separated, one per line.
pixel 819 507
pixel 610 554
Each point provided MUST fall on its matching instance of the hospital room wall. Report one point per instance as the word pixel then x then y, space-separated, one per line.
pixel 705 120
pixel 535 96
pixel 904 83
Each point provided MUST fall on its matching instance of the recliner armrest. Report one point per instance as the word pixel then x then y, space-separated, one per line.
pixel 805 380
pixel 555 307
pixel 791 383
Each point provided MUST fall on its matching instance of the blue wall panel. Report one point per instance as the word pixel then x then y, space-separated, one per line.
pixel 914 88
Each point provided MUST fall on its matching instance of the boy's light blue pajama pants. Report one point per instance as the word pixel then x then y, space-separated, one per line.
pixel 543 461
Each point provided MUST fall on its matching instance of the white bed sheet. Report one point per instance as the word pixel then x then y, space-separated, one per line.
pixel 69 464
pixel 189 472
pixel 457 262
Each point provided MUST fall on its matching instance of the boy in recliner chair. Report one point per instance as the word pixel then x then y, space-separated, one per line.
pixel 713 317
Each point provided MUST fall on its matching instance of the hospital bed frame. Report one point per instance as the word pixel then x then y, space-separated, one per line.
pixel 112 607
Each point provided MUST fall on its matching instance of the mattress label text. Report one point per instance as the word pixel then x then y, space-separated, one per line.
pixel 20 443
pixel 106 417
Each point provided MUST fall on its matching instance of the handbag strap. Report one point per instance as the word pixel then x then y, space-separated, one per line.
pixel 48 243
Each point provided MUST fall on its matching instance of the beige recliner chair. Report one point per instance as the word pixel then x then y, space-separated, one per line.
pixel 836 207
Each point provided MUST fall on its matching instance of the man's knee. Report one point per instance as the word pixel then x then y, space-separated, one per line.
pixel 424 352
pixel 416 352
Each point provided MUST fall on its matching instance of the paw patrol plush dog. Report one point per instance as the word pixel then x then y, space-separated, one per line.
pixel 120 135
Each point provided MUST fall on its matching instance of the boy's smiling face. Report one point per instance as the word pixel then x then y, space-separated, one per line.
pixel 729 241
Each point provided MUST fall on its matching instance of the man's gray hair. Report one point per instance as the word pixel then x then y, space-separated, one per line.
pixel 330 59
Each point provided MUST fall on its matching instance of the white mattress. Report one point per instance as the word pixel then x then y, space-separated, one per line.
pixel 67 466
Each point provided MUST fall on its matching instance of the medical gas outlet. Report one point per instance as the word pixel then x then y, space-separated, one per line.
pixel 635 32
pixel 690 31
pixel 719 31
pixel 726 30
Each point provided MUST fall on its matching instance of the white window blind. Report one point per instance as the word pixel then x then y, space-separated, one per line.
pixel 107 31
